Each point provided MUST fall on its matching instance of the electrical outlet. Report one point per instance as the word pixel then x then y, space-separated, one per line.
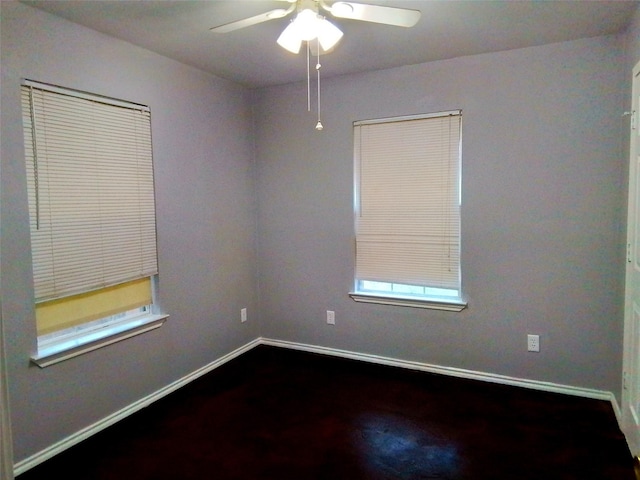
pixel 243 315
pixel 331 317
pixel 533 343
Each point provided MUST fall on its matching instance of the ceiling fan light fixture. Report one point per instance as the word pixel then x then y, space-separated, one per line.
pixel 307 23
pixel 328 34
pixel 290 39
pixel 307 26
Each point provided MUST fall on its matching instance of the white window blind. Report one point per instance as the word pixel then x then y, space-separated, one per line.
pixel 90 189
pixel 408 200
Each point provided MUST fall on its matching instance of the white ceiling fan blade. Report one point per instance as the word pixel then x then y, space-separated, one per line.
pixel 400 17
pixel 247 22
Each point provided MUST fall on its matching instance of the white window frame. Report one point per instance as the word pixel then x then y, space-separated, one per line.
pixel 408 294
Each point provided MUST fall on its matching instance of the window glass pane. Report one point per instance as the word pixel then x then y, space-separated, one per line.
pixel 402 289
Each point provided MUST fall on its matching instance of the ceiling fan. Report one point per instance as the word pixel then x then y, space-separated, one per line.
pixel 310 25
pixel 309 19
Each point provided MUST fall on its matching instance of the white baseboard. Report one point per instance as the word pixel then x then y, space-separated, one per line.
pixel 454 372
pixel 87 432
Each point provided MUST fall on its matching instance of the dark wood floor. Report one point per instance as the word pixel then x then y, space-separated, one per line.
pixel 281 414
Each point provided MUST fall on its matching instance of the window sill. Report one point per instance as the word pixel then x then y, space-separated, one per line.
pixel 61 350
pixel 447 304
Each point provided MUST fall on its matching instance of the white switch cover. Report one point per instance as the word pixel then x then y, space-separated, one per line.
pixel 243 315
pixel 331 317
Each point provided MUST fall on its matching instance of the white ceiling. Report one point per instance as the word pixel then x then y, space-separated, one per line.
pixel 447 29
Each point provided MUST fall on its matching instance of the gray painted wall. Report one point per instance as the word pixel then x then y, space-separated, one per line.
pixel 203 153
pixel 542 217
pixel 632 38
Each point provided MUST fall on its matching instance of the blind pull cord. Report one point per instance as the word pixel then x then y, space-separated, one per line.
pixel 34 145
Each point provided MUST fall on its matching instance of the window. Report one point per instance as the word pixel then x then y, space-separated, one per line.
pixel 407 211
pixel 92 217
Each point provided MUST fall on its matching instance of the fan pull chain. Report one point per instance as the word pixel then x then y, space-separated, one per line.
pixel 308 78
pixel 319 124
